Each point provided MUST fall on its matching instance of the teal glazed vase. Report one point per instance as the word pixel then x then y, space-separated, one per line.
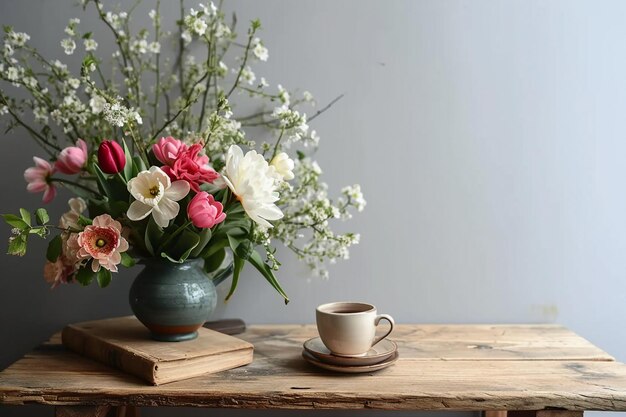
pixel 173 300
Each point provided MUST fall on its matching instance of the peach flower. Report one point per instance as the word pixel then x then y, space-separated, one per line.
pixel 103 242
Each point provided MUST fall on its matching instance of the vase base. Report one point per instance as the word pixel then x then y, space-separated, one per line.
pixel 174 337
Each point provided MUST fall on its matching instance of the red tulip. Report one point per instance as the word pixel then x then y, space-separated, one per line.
pixel 111 158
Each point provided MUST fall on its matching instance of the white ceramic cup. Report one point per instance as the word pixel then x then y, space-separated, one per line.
pixel 349 329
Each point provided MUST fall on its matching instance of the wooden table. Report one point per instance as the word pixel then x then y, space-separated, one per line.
pixel 543 370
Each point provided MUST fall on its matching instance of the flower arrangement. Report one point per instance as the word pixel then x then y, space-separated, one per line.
pixel 162 171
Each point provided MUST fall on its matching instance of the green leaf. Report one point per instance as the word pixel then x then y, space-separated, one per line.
pixel 104 277
pixel 54 248
pixel 127 260
pixel 182 246
pixel 256 260
pixel 213 248
pixel 241 247
pixel 85 275
pixel 84 221
pixel 15 221
pixel 40 231
pixel 214 261
pixel 205 237
pixel 17 245
pixel 138 166
pixel 25 216
pixel 153 236
pixel 128 168
pixel 103 183
pixel 42 216
pixel 87 35
pixel 238 263
pixel 301 155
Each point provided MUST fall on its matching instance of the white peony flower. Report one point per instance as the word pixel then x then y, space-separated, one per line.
pixel 283 166
pixel 251 179
pixel 155 194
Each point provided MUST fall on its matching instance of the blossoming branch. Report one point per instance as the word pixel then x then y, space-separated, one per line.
pixel 157 153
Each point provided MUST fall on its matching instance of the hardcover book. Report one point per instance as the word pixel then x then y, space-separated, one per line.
pixel 124 343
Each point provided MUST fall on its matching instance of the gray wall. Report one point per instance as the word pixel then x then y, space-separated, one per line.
pixel 487 135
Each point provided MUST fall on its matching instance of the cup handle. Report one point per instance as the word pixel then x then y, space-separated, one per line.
pixel 391 324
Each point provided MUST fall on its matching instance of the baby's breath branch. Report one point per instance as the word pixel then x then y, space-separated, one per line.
pixel 118 39
pixel 208 82
pixel 157 88
pixel 181 49
pixel 188 103
pixel 36 135
pixel 328 106
pixel 277 144
pixel 251 32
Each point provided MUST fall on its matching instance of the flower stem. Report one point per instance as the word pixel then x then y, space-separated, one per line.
pixel 74 184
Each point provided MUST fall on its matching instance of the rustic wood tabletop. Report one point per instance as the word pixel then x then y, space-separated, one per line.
pixel 544 369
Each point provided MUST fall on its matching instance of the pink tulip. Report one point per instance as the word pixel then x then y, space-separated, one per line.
pixel 111 158
pixel 38 178
pixel 168 149
pixel 72 159
pixel 204 212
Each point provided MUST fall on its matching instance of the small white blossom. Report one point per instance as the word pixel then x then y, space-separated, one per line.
pixel 199 26
pixel 90 44
pixel 355 195
pixel 7 50
pixel 222 31
pixel 259 50
pixel 247 75
pixel 154 47
pixel 140 46
pixel 186 37
pixel 69 31
pixel 73 83
pixel 152 14
pixel 97 104
pixel 283 95
pixel 264 83
pixel 41 115
pixel 307 96
pixel 18 39
pixel 13 74
pixel 30 82
pixel 4 110
pixel 68 45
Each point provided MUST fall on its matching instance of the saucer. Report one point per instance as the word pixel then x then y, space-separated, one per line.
pixel 380 352
pixel 350 369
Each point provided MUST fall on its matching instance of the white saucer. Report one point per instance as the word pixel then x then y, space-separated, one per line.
pixel 380 352
pixel 350 369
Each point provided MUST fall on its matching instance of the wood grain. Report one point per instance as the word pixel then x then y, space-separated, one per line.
pixel 440 368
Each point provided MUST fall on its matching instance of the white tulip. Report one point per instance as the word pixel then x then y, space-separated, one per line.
pixel 252 180
pixel 155 194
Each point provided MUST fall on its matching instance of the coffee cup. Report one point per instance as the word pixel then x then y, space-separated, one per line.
pixel 348 328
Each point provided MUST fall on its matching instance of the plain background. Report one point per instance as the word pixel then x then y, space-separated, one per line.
pixel 488 137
